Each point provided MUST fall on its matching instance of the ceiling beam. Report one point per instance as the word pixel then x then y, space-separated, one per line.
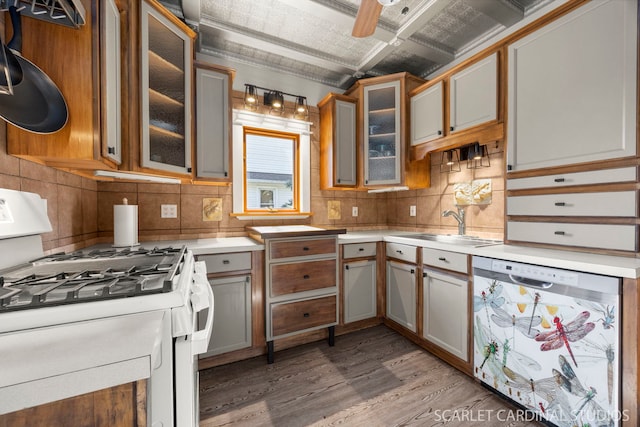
pixel 502 11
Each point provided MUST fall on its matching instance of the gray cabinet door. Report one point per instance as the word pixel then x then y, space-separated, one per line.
pixel 346 143
pixel 212 124
pixel 359 290
pixel 401 294
pixel 427 121
pixel 572 88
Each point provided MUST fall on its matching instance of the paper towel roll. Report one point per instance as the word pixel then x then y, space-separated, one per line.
pixel 125 225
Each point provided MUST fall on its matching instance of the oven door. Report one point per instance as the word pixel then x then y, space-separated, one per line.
pixel 187 349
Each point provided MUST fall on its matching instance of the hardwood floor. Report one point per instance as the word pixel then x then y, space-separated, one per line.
pixel 373 377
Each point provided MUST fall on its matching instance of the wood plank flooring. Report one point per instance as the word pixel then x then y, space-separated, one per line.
pixel 373 377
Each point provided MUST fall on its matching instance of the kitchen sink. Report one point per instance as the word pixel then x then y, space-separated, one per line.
pixel 454 239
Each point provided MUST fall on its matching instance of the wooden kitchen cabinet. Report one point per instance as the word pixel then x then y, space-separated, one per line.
pixel 166 90
pixel 338 141
pixel 470 95
pixel 380 137
pixel 84 64
pixel 572 90
pixel 213 121
pixel 445 301
pixel 301 286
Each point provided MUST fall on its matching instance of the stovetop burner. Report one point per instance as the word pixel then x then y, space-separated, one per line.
pixel 89 276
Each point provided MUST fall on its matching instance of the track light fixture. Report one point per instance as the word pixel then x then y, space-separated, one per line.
pixel 274 99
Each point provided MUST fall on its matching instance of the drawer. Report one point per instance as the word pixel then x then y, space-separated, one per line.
pixel 220 263
pixel 302 276
pixel 300 315
pixel 303 247
pixel 603 236
pixel 402 252
pixel 357 250
pixel 444 259
pixel 619 203
pixel 605 176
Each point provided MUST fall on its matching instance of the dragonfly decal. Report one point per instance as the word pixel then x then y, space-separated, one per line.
pixel 567 380
pixel 491 296
pixel 607 312
pixel 596 352
pixel 490 348
pixel 544 388
pixel 522 324
pixel 536 301
pixel 572 331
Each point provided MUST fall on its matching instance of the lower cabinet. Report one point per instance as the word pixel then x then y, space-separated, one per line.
pixel 359 290
pixel 231 315
pixel 401 294
pixel 445 320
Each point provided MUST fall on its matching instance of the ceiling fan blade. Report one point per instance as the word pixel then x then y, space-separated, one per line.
pixel 367 18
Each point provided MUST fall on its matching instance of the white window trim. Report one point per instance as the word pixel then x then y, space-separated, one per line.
pixel 243 118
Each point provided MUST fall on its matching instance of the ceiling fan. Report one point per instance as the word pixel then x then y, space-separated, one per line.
pixel 367 17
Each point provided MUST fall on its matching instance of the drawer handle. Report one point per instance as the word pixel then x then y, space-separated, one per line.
pixel 399 251
pixel 306 276
pixel 306 315
pixel 558 180
pixel 559 233
pixel 560 204
pixel 442 259
pixel 306 248
pixel 360 249
pixel 226 261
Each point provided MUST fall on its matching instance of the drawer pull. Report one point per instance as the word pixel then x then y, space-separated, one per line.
pixel 558 180
pixel 305 248
pixel 399 251
pixel 306 276
pixel 360 249
pixel 226 261
pixel 559 233
pixel 560 204
pixel 306 315
pixel 442 259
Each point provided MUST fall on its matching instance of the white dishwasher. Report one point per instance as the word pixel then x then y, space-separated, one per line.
pixel 549 340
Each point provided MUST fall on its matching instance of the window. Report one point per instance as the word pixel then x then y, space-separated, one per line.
pixel 271 167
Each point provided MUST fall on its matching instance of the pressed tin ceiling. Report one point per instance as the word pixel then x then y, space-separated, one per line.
pixel 312 38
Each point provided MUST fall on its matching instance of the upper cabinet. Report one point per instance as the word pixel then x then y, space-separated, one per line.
pixel 473 94
pixel 427 120
pixel 83 63
pixel 382 140
pixel 213 121
pixel 469 94
pixel 166 89
pixel 572 90
pixel 338 141
pixel 363 136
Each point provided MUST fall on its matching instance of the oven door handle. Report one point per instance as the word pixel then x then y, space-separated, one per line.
pixel 200 339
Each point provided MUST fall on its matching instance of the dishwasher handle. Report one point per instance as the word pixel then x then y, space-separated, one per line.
pixel 541 284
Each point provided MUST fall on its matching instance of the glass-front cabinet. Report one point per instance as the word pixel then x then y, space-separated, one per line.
pixel 382 143
pixel 167 54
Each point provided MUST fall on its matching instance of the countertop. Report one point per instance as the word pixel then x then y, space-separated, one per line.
pixel 272 232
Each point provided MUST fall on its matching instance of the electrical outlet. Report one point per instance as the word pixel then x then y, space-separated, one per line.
pixel 354 211
pixel 168 211
pixel 412 210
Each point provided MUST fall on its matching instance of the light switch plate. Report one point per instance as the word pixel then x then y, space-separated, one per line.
pixel 354 211
pixel 168 211
pixel 412 210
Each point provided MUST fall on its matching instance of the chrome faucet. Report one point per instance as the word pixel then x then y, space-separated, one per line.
pixel 459 217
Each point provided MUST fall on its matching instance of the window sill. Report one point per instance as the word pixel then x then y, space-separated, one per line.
pixel 270 215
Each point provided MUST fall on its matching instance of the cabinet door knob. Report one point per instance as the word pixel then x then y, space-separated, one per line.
pixel 111 150
pixel 439 132
pixel 306 315
pixel 559 233
pixel 346 267
pixel 412 271
pixel 306 276
pixel 560 204
pixel 451 128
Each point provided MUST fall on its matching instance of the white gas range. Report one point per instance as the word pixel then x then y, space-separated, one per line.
pixel 76 323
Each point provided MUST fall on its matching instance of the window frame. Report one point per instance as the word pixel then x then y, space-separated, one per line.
pixel 295 139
